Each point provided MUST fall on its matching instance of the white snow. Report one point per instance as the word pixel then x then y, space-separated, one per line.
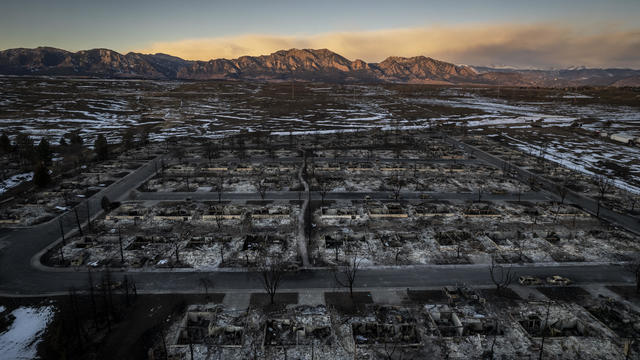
pixel 570 155
pixel 576 96
pixel 14 181
pixel 20 341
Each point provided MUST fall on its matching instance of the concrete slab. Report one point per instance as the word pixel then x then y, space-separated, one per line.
pixel 388 297
pixel 597 290
pixel 237 301
pixel 310 297
pixel 526 292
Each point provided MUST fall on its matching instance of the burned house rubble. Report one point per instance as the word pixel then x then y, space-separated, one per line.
pixel 183 235
pixel 313 213
pixel 431 203
pixel 452 322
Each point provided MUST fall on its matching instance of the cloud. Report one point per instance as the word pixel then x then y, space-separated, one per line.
pixel 532 45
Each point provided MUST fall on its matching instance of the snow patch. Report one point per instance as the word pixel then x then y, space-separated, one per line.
pixel 14 181
pixel 21 340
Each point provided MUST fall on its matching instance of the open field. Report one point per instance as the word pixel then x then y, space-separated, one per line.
pixel 528 117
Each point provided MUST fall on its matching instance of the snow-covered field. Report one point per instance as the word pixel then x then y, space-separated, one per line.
pixel 53 107
pixel 585 155
pixel 21 339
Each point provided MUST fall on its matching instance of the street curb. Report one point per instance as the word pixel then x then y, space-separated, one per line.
pixel 36 259
pixel 215 290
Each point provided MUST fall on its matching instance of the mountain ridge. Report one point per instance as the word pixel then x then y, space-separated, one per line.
pixel 298 64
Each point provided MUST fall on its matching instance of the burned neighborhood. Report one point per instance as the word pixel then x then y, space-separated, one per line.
pixel 396 244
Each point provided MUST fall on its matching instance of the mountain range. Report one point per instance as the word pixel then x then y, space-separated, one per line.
pixel 299 64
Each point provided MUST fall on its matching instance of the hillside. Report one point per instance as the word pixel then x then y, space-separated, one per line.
pixel 299 64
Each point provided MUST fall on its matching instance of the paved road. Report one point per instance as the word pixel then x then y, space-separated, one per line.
pixel 337 195
pixel 16 270
pixel 41 282
pixel 19 276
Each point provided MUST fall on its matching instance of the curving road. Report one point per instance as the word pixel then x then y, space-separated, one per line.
pixel 21 274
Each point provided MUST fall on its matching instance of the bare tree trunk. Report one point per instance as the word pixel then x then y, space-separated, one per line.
pixel 107 311
pixel 64 242
pixel 93 301
pixel 125 284
pixel 75 311
pixel 190 343
pixel 164 344
pixel 546 321
pixel 121 251
pixel 110 291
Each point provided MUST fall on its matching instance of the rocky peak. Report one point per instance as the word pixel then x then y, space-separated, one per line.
pixel 360 65
pixel 421 67
pixel 299 60
pixel 302 64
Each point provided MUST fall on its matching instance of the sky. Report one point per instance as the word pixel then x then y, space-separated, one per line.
pixel 525 34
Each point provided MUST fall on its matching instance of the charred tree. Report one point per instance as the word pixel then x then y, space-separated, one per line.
pixel 271 274
pixel 502 277
pixel 346 274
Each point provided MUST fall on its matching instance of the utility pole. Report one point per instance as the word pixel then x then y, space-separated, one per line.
pixel 88 216
pixel 75 210
pixel 62 232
